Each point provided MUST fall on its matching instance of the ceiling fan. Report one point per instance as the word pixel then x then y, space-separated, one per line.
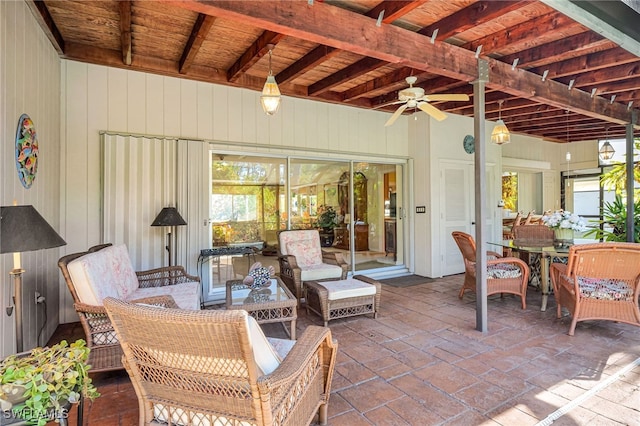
pixel 414 97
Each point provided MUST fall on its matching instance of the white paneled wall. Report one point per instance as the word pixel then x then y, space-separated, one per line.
pixel 97 98
pixel 29 83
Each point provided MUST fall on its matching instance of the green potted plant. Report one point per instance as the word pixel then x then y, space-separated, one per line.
pixel 614 216
pixel 39 385
pixel 327 220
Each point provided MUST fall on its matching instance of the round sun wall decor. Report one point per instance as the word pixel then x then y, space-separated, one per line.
pixel 26 151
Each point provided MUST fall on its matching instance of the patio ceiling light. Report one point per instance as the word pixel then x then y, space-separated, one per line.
pixel 500 134
pixel 270 98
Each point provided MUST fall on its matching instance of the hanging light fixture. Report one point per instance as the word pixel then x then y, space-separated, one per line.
pixel 270 98
pixel 606 151
pixel 500 134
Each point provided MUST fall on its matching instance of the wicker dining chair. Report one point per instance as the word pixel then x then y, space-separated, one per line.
pixel 215 367
pixel 105 350
pixel 504 274
pixel 600 282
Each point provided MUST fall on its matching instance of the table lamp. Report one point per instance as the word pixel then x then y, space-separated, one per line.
pixel 22 229
pixel 170 217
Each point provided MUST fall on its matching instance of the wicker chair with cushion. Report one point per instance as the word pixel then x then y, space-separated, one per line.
pixel 600 282
pixel 215 367
pixel 302 259
pixel 533 235
pixel 106 270
pixel 504 274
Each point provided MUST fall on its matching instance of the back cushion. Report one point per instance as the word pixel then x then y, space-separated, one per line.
pixel 286 237
pixel 105 273
pixel 307 252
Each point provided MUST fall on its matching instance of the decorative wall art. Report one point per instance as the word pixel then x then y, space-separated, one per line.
pixel 26 151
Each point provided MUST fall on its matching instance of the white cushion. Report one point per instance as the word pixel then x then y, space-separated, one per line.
pixel 307 252
pixel 105 273
pixel 343 289
pixel 285 237
pixel 322 271
pixel 267 359
pixel 186 295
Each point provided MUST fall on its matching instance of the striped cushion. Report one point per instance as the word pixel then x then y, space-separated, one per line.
pixel 605 289
pixel 503 270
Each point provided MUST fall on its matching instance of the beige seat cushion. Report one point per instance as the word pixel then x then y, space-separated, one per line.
pixel 322 271
pixel 343 289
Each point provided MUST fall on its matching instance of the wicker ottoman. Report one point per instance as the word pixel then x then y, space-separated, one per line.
pixel 333 299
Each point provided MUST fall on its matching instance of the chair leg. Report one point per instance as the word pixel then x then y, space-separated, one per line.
pixel 322 414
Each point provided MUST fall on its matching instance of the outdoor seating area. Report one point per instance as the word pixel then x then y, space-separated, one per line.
pixel 422 362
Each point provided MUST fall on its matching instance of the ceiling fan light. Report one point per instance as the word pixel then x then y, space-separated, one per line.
pixel 606 151
pixel 500 134
pixel 270 98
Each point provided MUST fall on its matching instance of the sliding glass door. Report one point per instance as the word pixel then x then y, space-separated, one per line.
pixel 356 207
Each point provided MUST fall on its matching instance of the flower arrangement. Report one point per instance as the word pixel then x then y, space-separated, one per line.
pixel 565 220
pixel 327 217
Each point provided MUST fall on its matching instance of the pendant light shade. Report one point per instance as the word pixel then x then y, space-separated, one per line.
pixel 500 134
pixel 270 98
pixel 606 151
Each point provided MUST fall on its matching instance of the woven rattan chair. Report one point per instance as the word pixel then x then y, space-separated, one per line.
pixel 533 235
pixel 215 367
pixel 600 282
pixel 302 259
pixel 106 352
pixel 504 274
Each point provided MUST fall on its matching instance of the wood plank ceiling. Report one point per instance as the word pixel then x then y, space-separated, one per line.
pixel 553 77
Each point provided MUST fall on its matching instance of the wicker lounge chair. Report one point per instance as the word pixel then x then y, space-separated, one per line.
pixel 106 353
pixel 302 259
pixel 600 282
pixel 504 274
pixel 215 367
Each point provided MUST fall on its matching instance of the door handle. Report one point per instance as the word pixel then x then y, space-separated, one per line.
pixel 473 223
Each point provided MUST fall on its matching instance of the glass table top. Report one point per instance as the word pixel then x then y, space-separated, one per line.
pixel 274 292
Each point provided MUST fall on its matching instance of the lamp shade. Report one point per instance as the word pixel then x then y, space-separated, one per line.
pixel 500 134
pixel 22 229
pixel 606 151
pixel 270 98
pixel 168 216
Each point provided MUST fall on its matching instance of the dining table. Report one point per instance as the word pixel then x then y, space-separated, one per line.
pixel 547 250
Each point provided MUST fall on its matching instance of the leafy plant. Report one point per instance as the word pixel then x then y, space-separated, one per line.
pixel 327 217
pixel 50 377
pixel 614 216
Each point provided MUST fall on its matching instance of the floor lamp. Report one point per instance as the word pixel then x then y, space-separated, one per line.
pixel 23 229
pixel 170 217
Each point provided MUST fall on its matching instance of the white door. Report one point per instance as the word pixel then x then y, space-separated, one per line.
pixel 457 210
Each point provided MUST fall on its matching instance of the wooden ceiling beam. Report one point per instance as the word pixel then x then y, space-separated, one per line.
pixel 521 34
pixel 586 63
pixel 257 50
pixel 614 87
pixel 43 16
pixel 471 16
pixel 394 9
pixel 354 70
pixel 388 81
pixel 124 7
pixel 199 32
pixel 324 23
pixel 605 75
pixel 558 50
pixel 312 59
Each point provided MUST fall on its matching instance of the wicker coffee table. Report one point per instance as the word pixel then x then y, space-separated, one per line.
pixel 333 299
pixel 273 303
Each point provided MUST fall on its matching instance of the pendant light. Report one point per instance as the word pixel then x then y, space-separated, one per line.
pixel 270 98
pixel 606 151
pixel 500 134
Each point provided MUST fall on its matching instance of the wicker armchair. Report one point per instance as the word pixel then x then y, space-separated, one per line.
pixel 504 274
pixel 600 282
pixel 533 235
pixel 215 367
pixel 302 259
pixel 106 352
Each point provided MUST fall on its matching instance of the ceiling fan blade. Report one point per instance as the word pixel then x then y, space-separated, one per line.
pixel 389 103
pixel 447 97
pixel 395 115
pixel 432 111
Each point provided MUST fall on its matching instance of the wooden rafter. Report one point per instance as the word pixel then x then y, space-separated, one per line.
pixel 257 50
pixel 475 14
pixel 199 33
pixel 394 9
pixel 124 7
pixel 354 70
pixel 310 60
pixel 586 63
pixel 41 13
